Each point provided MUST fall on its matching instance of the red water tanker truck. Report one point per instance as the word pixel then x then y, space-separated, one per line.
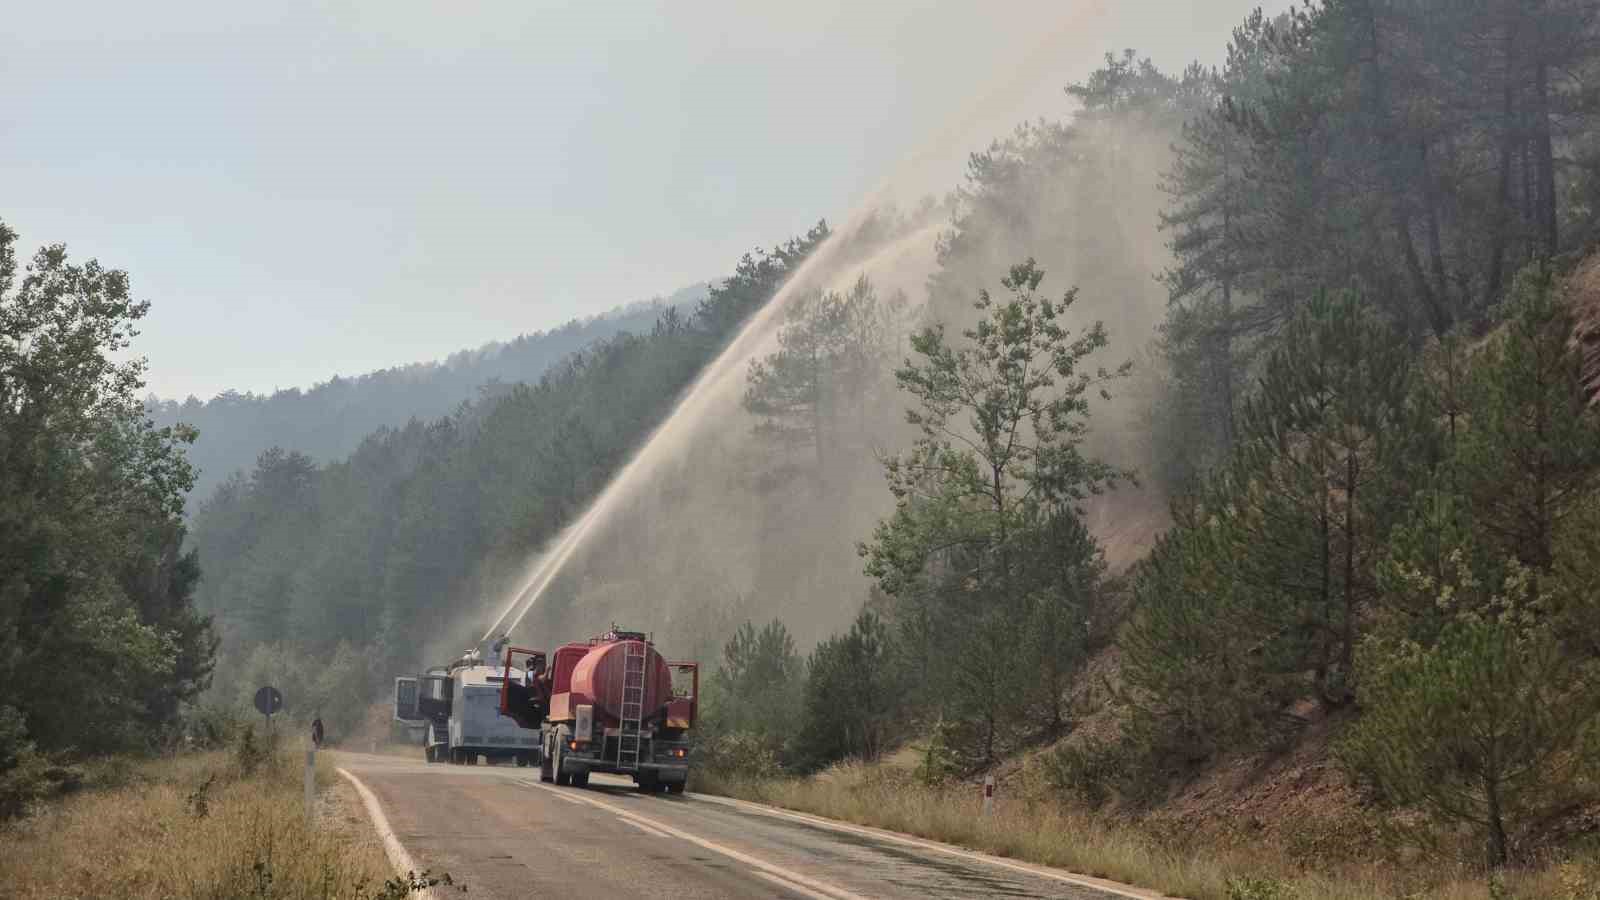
pixel 612 704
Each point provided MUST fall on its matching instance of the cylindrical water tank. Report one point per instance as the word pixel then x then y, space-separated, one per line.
pixel 599 677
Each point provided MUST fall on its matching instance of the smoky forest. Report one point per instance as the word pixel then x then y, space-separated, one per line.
pixel 1231 418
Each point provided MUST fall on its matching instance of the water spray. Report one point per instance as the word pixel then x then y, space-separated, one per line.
pixel 693 402
pixel 687 412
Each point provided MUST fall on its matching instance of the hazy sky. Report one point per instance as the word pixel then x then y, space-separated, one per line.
pixel 310 188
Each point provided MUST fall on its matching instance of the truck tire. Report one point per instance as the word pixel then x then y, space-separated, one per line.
pixel 522 760
pixel 675 787
pixel 562 778
pixel 580 779
pixel 545 773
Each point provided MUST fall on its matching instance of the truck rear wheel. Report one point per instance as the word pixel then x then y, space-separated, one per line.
pixel 675 787
pixel 580 779
pixel 562 778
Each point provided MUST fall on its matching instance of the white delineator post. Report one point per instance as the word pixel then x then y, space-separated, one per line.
pixel 988 795
pixel 311 780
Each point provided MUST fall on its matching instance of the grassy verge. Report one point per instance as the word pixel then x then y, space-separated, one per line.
pixel 1190 865
pixel 199 826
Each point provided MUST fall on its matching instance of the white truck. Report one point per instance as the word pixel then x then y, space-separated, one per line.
pixel 457 709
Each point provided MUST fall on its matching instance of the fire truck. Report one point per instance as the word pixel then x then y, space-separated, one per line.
pixel 457 709
pixel 610 704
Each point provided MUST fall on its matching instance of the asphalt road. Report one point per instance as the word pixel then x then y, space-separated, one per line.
pixel 501 832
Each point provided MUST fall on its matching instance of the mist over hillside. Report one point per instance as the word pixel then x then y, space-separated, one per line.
pixel 328 420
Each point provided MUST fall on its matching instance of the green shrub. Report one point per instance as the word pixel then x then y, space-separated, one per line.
pixel 1088 773
pixel 26 775
pixel 738 754
pixel 248 753
pixel 209 726
pixel 940 762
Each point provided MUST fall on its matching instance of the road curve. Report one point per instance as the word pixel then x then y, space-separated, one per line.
pixel 502 833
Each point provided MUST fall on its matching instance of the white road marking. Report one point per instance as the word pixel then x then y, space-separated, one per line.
pixel 398 857
pixel 531 783
pixel 822 888
pixel 788 885
pixel 1110 887
pixel 647 829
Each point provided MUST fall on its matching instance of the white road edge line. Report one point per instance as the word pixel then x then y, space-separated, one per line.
pixel 788 885
pixel 398 857
pixel 530 783
pixel 647 829
pixel 1110 887
pixel 829 891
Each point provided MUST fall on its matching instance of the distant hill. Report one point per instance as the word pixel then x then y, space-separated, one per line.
pixel 328 420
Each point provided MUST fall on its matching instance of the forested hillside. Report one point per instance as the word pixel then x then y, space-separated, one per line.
pixel 327 421
pixel 1368 408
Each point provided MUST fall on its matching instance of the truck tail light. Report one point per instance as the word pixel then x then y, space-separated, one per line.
pixel 679 752
pixel 572 745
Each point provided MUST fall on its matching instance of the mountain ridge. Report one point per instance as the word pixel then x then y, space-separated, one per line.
pixel 328 420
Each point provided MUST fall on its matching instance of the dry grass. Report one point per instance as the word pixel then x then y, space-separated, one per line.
pixel 161 835
pixel 1183 865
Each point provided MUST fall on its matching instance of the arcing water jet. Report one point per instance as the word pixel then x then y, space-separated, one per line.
pixel 724 375
pixel 672 430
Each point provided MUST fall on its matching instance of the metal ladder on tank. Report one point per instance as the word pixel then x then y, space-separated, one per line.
pixel 634 654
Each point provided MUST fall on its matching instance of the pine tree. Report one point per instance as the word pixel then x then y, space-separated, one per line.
pixel 757 684
pixel 815 389
pixel 1213 221
pixel 853 694
pixel 1531 448
pixel 1488 725
pixel 755 280
pixel 1257 595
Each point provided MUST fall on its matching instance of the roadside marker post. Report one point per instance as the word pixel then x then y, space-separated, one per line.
pixel 311 781
pixel 988 795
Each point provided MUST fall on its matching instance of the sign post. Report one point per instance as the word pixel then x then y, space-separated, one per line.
pixel 311 782
pixel 269 701
pixel 988 795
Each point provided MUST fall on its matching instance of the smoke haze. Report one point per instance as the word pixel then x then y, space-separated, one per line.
pixel 711 524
